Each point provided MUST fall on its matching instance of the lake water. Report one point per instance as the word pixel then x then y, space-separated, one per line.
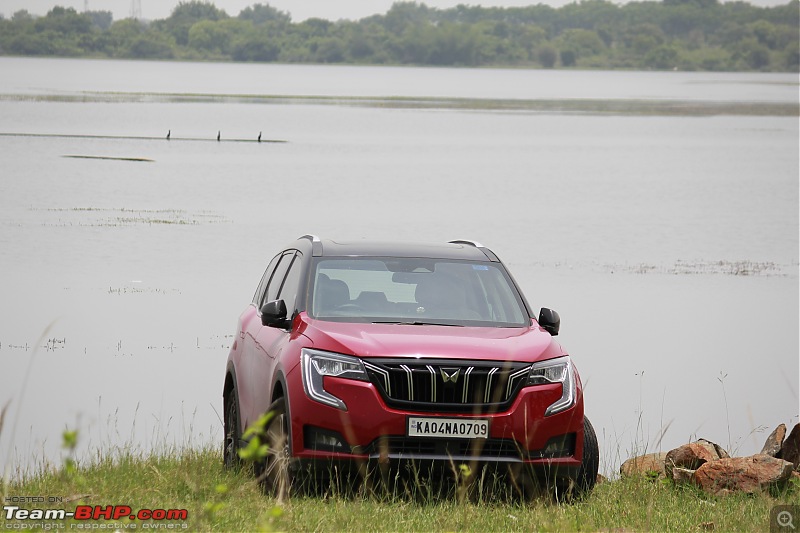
pixel 667 242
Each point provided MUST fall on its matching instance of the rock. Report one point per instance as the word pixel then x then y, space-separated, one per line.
pixel 713 447
pixel 772 446
pixel 650 464
pixel 682 475
pixel 742 474
pixel 690 456
pixel 790 450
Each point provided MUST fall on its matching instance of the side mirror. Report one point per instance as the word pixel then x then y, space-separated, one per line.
pixel 273 314
pixel 550 321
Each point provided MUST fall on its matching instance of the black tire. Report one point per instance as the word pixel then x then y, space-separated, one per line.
pixel 587 475
pixel 276 473
pixel 233 431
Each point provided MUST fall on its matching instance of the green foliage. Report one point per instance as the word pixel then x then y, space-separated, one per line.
pixel 672 34
pixel 253 46
pixel 547 56
pixel 261 14
pixel 579 43
pixel 63 21
pixel 664 57
pixel 256 451
pixel 101 19
pixel 69 440
pixel 150 46
pixel 21 16
pixel 211 508
pixel 227 500
pixel 69 443
pixel 186 15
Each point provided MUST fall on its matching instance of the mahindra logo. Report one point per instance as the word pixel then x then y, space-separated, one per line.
pixel 450 375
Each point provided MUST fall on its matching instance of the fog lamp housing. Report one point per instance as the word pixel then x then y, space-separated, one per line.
pixel 324 440
pixel 560 446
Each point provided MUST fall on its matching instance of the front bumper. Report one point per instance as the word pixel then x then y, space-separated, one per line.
pixel 371 431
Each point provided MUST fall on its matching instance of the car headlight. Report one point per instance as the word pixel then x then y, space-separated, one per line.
pixel 559 370
pixel 316 365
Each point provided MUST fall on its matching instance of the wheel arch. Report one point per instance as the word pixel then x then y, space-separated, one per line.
pixel 280 389
pixel 230 379
pixel 228 388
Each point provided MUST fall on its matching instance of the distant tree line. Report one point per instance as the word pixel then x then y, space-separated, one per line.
pixel 671 34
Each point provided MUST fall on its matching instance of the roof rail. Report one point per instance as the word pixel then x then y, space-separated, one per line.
pixel 487 252
pixel 476 244
pixel 316 244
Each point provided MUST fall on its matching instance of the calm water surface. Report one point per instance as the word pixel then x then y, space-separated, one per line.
pixel 669 245
pixel 55 76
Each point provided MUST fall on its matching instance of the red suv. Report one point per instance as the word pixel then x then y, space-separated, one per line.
pixel 376 353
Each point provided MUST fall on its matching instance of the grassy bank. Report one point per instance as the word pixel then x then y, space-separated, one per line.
pixel 219 500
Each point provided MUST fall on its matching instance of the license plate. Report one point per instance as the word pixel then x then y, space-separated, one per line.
pixel 448 428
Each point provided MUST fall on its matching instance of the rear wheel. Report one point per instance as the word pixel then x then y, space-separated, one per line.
pixel 233 432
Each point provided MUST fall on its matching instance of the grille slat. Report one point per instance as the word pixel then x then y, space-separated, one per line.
pixel 464 397
pixel 447 385
pixel 457 449
pixel 479 449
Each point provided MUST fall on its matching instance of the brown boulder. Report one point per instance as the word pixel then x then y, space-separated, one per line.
pixel 714 448
pixel 744 474
pixel 690 456
pixel 790 451
pixel 650 464
pixel 772 446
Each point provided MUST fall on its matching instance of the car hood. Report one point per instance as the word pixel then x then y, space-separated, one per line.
pixel 527 344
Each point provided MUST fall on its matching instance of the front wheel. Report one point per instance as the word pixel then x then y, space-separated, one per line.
pixel 587 475
pixel 276 474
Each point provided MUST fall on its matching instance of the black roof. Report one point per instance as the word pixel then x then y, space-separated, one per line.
pixel 466 250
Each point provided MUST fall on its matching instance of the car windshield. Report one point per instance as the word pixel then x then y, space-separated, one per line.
pixel 415 291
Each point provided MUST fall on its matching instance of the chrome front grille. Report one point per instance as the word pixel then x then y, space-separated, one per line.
pixel 447 385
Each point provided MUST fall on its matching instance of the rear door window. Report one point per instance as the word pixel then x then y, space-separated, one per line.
pixel 288 291
pixel 275 282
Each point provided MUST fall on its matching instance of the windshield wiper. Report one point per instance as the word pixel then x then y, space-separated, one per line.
pixel 416 323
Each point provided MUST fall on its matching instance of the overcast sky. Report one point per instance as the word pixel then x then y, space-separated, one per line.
pixel 299 9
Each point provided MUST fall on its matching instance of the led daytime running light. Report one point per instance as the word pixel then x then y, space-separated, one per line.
pixel 315 365
pixel 559 370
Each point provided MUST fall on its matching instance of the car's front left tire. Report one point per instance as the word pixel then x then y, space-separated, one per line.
pixel 277 473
